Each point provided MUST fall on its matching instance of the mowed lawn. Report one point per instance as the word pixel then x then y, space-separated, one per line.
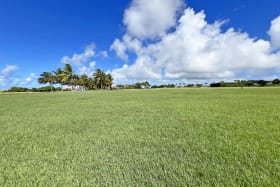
pixel 164 137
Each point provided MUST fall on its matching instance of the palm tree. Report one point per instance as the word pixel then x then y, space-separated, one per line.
pixel 67 75
pixel 91 84
pixel 59 76
pixel 108 81
pixel 75 80
pixel 47 77
pixel 84 81
pixel 99 78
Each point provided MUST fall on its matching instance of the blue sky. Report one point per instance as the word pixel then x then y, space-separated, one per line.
pixel 137 40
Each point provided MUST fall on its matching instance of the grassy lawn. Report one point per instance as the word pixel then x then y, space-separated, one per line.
pixel 165 137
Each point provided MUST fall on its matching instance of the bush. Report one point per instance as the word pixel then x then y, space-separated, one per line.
pixel 18 89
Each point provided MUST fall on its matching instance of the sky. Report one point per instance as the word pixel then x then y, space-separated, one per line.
pixel 160 41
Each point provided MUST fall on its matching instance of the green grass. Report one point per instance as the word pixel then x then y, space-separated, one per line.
pixel 167 137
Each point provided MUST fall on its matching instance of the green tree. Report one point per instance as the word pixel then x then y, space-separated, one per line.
pixel 67 75
pixel 147 84
pixel 84 81
pixel 47 77
pixel 91 84
pixel 261 82
pixel 75 80
pixel 108 81
pixel 276 81
pixel 99 78
pixel 59 74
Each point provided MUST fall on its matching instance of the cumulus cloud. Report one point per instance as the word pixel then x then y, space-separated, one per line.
pixel 5 74
pixel 274 33
pixel 151 18
pixel 120 49
pixel 9 79
pixel 128 43
pixel 104 54
pixel 79 59
pixel 8 70
pixel 32 77
pixel 88 70
pixel 2 80
pixel 29 81
pixel 83 61
pixel 198 50
pixel 142 69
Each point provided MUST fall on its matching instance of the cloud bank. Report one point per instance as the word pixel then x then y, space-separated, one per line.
pixel 274 33
pixel 149 19
pixel 188 47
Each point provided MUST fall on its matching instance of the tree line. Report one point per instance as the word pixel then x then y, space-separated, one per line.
pixel 137 85
pixel 65 76
pixel 246 83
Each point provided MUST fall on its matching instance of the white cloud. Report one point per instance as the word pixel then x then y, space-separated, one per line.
pixel 104 54
pixel 120 49
pixel 82 62
pixel 274 33
pixel 128 43
pixel 8 70
pixel 142 69
pixel 2 81
pixel 6 73
pixel 200 51
pixel 29 81
pixel 32 77
pixel 151 18
pixel 9 79
pixel 79 59
pixel 88 70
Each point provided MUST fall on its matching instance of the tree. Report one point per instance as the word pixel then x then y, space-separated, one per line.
pixel 67 75
pixel 147 84
pixel 91 84
pixel 99 78
pixel 47 77
pixel 75 80
pixel 59 74
pixel 108 81
pixel 84 81
pixel 276 81
pixel 18 89
pixel 261 82
pixel 140 85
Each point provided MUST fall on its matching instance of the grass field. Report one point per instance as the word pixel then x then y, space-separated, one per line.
pixel 166 137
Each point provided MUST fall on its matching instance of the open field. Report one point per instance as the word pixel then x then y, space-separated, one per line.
pixel 165 137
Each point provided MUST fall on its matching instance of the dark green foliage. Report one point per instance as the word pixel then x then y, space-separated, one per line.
pixel 47 89
pixel 276 81
pixel 18 89
pixel 138 85
pixel 246 83
pixel 261 82
pixel 41 89
pixel 102 80
pixel 164 86
pixel 216 84
pixel 65 76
